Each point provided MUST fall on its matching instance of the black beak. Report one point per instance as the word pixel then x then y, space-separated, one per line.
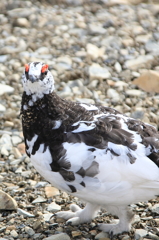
pixel 33 78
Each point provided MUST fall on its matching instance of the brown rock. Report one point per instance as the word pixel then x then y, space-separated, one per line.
pixel 7 202
pixel 51 191
pixel 21 148
pixel 148 81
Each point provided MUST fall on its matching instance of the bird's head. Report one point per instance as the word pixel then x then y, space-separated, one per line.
pixel 37 80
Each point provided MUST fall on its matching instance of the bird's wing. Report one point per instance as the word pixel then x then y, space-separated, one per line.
pixel 111 153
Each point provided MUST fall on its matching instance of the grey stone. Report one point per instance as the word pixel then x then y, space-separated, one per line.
pixel 60 236
pixel 113 94
pixel 139 62
pixel 155 208
pixel 140 233
pixel 47 216
pixel 97 72
pixel 152 47
pixel 14 233
pixel 53 207
pixel 102 235
pixel 29 231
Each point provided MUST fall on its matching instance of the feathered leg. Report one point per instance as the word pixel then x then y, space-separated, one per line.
pixel 77 215
pixel 125 219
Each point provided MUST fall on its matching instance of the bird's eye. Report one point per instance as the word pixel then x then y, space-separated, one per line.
pixel 26 68
pixel 44 69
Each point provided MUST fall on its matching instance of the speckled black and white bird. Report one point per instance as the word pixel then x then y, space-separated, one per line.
pixel 94 153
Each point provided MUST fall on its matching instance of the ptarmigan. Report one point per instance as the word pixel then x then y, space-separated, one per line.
pixel 94 153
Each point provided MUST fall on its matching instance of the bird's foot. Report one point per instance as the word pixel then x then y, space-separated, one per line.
pixel 72 216
pixel 77 215
pixel 114 229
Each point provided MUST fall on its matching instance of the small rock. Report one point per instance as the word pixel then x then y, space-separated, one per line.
pixel 16 140
pixel 29 231
pixel 51 191
pixel 22 22
pixel 39 200
pixel 21 148
pixel 98 72
pixel 16 153
pixel 94 51
pixel 5 89
pixel 7 202
pixel 2 108
pixel 96 28
pixel 118 67
pixel 47 216
pixel 14 234
pixel 60 236
pixel 53 207
pixel 24 213
pixel 134 93
pixel 148 81
pixel 41 184
pixel 152 47
pixel 102 235
pixel 113 94
pixel 76 233
pixel 140 62
pixel 140 233
pixel 155 208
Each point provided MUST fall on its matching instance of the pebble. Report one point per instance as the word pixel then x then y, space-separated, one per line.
pixel 155 208
pixel 102 235
pixel 14 234
pixel 94 51
pixel 113 94
pixel 134 93
pixel 5 89
pixel 53 207
pixel 39 200
pixel 140 233
pixel 25 213
pixel 96 72
pixel 47 216
pixel 29 231
pixel 7 202
pixel 2 108
pixel 60 236
pixel 51 191
pixel 140 62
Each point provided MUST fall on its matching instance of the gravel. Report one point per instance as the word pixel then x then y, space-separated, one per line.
pixel 95 50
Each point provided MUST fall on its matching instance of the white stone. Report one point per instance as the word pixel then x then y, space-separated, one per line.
pixel 118 67
pixel 16 140
pixel 47 216
pixel 134 92
pixel 14 234
pixel 94 51
pixel 39 200
pixel 2 108
pixel 22 22
pixel 24 213
pixel 60 236
pixel 98 72
pixel 53 207
pixel 113 94
pixel 5 89
pixel 141 62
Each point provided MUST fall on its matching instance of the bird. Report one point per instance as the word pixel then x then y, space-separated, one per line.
pixel 92 152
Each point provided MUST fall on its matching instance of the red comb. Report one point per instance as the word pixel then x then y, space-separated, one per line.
pixel 26 67
pixel 44 68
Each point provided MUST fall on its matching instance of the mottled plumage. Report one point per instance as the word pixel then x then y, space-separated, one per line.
pixel 94 153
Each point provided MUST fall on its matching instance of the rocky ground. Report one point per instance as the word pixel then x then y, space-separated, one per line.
pixel 96 50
